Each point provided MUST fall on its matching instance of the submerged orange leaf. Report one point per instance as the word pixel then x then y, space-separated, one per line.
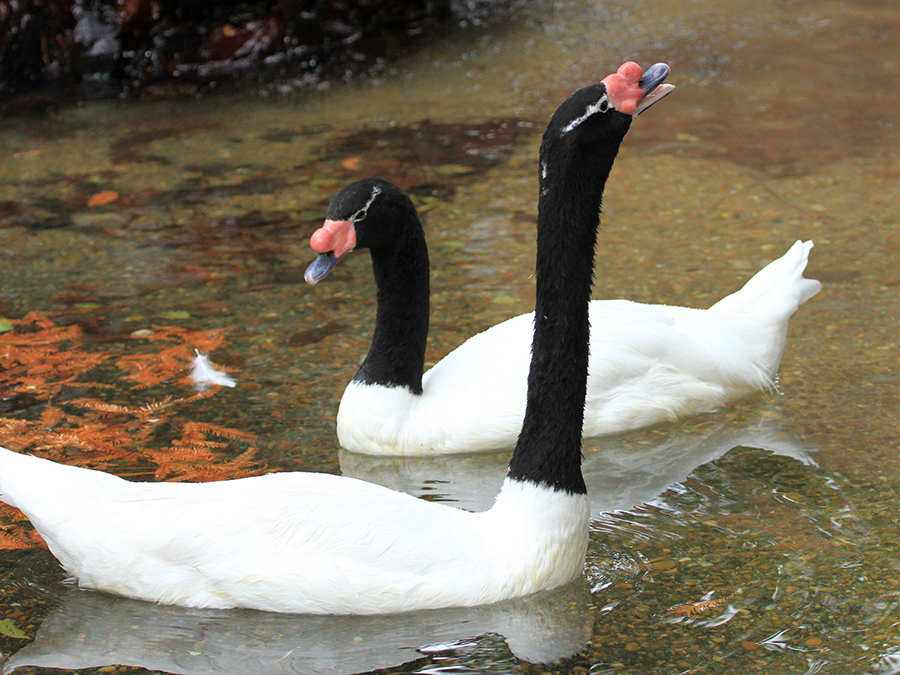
pixel 105 197
pixel 692 608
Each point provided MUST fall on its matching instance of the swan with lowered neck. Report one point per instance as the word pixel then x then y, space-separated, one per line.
pixel 316 543
pixel 648 363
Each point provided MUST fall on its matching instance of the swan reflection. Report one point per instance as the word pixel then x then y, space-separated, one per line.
pixel 94 629
pixel 621 472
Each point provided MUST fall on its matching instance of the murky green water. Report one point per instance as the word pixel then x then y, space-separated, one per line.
pixel 777 513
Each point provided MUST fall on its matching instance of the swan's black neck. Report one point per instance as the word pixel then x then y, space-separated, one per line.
pixel 548 451
pixel 396 357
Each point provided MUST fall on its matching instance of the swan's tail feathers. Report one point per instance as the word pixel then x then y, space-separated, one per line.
pixel 39 486
pixel 26 480
pixel 777 290
pixel 9 463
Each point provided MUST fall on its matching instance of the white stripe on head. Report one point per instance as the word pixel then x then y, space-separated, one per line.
pixel 599 106
pixel 363 212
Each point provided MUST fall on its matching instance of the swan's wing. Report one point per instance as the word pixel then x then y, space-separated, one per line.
pixel 654 363
pixel 475 396
pixel 289 542
pixel 648 364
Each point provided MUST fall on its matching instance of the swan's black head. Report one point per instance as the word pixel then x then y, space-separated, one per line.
pixel 379 216
pixel 599 116
pixel 588 117
pixel 370 213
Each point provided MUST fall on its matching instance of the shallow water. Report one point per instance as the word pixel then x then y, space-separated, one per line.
pixel 777 513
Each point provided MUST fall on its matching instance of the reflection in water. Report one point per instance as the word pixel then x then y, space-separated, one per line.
pixel 93 629
pixel 621 472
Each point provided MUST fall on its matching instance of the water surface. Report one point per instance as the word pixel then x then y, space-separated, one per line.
pixel 761 538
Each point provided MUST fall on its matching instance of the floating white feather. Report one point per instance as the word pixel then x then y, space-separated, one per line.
pixel 204 373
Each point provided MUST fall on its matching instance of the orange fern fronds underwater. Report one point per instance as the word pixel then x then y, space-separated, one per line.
pixel 45 370
pixel 162 365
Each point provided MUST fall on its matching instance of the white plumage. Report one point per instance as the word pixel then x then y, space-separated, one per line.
pixel 648 364
pixel 295 542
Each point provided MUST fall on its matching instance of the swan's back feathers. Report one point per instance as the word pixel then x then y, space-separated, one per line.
pixel 648 363
pixel 668 362
pixel 176 542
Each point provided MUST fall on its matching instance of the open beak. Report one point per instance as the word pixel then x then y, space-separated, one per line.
pixel 652 83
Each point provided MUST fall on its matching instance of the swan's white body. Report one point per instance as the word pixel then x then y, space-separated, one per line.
pixel 296 542
pixel 648 364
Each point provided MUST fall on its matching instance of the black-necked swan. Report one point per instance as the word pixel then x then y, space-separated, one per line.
pixel 648 363
pixel 317 543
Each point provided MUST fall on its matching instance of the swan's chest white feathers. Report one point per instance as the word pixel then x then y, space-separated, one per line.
pixel 539 535
pixel 472 400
